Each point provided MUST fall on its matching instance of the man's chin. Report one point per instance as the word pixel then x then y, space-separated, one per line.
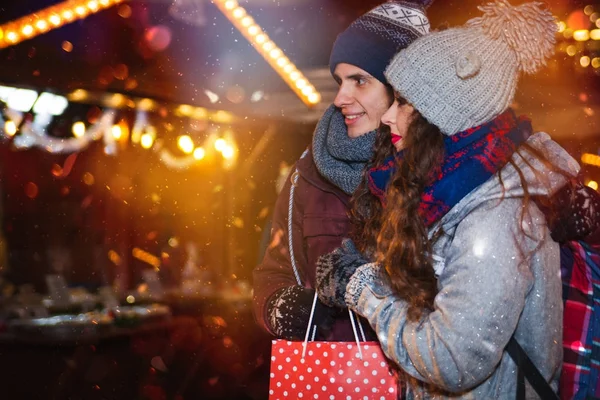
pixel 355 131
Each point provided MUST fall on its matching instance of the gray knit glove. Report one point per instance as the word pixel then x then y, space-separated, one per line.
pixel 367 288
pixel 334 271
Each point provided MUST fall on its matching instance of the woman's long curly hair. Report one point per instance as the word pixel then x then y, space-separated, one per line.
pixel 396 236
pixel 365 208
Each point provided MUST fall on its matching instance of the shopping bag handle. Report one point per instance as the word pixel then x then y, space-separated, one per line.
pixel 310 321
pixel 352 321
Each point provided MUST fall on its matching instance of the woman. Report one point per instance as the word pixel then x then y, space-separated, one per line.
pixel 465 260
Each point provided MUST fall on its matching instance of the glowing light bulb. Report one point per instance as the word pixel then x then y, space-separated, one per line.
pixel 247 21
pixel 27 30
pixel 253 30
pixel 276 53
pixel 78 129
pixel 186 144
pixel 231 4
pixel 238 12
pixel 228 152
pixel 581 35
pixel 593 185
pixel 268 46
pixel 584 61
pixel 220 144
pixel 116 132
pixel 314 98
pixel 186 110
pixel 261 38
pixel 54 20
pixel 12 37
pixel 301 83
pixel 146 141
pixel 41 25
pixel 10 128
pixel 282 61
pixel 199 153
pixel 68 15
pixel 81 11
pixel 308 90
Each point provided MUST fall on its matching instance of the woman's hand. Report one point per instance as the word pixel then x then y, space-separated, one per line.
pixel 334 271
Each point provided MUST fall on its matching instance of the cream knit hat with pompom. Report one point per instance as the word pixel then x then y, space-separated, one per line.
pixel 463 77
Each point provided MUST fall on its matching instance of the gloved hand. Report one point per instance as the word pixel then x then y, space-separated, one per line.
pixel 289 311
pixel 579 213
pixel 334 271
pixel 368 287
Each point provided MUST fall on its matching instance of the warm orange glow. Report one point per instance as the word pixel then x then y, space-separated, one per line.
pixel 41 21
pixel 581 35
pixel 186 144
pixel 146 141
pixel 590 159
pixel 228 152
pixel 220 144
pixel 584 61
pixel 199 153
pixel 10 128
pixel 78 129
pixel 146 257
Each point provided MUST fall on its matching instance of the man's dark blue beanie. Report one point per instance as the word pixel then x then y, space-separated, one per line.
pixel 374 38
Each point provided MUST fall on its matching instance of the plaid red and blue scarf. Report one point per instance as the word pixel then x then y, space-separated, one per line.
pixel 471 158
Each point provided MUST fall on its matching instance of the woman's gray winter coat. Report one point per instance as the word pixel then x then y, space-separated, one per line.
pixel 498 276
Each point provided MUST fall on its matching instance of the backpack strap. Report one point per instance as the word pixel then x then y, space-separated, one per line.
pixel 527 369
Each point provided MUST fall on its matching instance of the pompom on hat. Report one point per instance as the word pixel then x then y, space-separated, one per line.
pixel 463 77
pixel 374 38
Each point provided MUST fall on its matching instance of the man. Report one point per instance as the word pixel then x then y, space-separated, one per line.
pixel 329 172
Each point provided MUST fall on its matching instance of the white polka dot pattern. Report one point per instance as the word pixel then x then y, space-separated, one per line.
pixel 348 377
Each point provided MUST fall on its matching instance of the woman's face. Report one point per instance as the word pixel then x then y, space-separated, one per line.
pixel 398 117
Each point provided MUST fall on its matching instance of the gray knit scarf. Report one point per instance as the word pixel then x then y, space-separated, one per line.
pixel 339 158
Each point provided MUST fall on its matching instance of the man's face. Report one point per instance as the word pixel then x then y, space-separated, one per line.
pixel 361 98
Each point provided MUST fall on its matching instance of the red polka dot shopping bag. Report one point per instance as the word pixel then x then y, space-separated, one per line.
pixel 331 370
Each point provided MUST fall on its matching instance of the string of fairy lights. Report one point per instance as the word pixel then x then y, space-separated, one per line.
pixel 50 18
pixel 69 11
pixel 216 139
pixel 269 50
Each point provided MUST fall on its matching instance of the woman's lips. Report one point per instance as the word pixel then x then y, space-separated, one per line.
pixel 396 138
